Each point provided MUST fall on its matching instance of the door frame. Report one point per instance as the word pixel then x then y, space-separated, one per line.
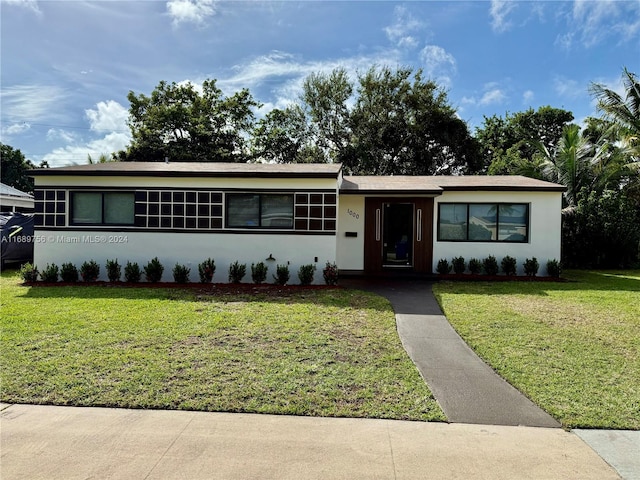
pixel 422 234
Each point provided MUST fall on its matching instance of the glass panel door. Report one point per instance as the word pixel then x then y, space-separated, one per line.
pixel 397 236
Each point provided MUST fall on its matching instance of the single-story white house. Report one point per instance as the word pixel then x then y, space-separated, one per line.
pixel 292 214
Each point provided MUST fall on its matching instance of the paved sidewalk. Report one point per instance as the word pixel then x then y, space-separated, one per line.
pixel 466 388
pixel 48 442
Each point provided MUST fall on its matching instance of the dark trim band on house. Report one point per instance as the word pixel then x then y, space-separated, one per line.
pixel 483 222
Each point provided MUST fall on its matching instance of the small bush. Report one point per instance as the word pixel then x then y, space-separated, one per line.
pixel 153 271
pixel 330 274
pixel 29 273
pixel 305 274
pixel 206 270
pixel 113 270
pixel 50 273
pixel 531 267
pixel 553 268
pixel 259 272
pixel 459 265
pixel 490 265
pixel 89 271
pixel 237 271
pixel 181 273
pixel 69 273
pixel 475 266
pixel 282 274
pixel 509 265
pixel 443 266
pixel 132 272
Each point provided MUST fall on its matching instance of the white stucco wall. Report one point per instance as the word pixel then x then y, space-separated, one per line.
pixel 350 250
pixel 185 248
pixel 544 229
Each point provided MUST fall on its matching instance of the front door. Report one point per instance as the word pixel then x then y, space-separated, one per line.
pixel 398 235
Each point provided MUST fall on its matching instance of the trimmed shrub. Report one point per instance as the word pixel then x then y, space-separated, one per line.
pixel 475 266
pixel 305 274
pixel 490 265
pixel 89 271
pixel 69 273
pixel 459 265
pixel 132 272
pixel 29 273
pixel 509 265
pixel 282 274
pixel 49 273
pixel 113 270
pixel 443 266
pixel 259 272
pixel 181 273
pixel 153 271
pixel 553 268
pixel 531 267
pixel 330 274
pixel 206 270
pixel 237 272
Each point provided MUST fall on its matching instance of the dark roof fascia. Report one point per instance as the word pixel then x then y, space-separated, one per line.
pixel 505 188
pixel 44 172
pixel 392 193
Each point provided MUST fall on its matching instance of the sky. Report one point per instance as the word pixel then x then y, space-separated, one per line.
pixel 67 66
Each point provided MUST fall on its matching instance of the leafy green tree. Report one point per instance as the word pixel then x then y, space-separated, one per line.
pixel 14 168
pixel 284 136
pixel 402 124
pixel 182 124
pixel 508 144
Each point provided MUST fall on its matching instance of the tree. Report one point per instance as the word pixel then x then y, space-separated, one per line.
pixel 508 144
pixel 182 124
pixel 622 115
pixel 284 136
pixel 15 167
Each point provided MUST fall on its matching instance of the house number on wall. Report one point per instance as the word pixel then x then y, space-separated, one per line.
pixel 353 214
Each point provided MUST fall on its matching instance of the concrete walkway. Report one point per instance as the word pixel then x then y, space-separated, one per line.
pixel 48 442
pixel 466 388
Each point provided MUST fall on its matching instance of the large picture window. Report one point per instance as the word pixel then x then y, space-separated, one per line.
pixel 483 222
pixel 251 210
pixel 102 208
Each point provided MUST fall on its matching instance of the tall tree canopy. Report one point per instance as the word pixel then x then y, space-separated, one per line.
pixel 508 144
pixel 395 123
pixel 181 123
pixel 14 168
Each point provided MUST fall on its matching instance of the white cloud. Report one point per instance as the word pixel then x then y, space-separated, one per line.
pixel 15 128
pixel 566 87
pixel 404 25
pixel 28 4
pixel 439 64
pixel 54 134
pixel 109 116
pixel 77 153
pixel 493 96
pixel 29 103
pixel 499 11
pixel 190 11
pixel 527 97
pixel 590 22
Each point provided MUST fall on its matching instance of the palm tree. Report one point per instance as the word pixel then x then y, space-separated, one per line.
pixel 569 163
pixel 623 115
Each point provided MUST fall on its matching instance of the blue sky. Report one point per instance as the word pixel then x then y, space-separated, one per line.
pixel 67 66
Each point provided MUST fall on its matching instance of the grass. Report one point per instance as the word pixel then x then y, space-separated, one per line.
pixel 572 347
pixel 312 352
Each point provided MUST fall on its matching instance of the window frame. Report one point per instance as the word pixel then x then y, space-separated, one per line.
pixel 102 194
pixel 260 196
pixel 497 206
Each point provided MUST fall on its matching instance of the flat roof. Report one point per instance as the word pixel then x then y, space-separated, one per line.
pixel 436 184
pixel 196 169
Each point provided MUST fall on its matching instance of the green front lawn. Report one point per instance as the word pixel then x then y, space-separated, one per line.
pixel 312 352
pixel 572 347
